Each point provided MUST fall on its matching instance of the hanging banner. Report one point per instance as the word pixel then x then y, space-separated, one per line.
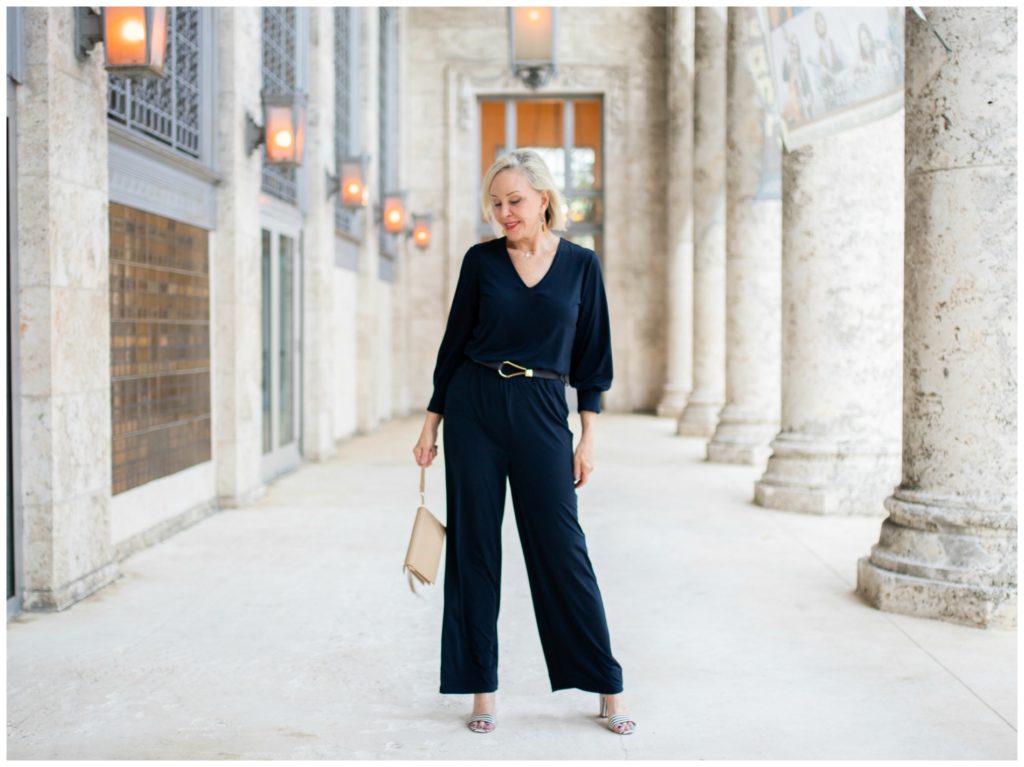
pixel 833 68
pixel 757 60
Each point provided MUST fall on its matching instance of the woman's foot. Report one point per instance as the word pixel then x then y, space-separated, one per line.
pixel 483 705
pixel 615 708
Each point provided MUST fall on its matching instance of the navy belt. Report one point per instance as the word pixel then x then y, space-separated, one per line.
pixel 519 370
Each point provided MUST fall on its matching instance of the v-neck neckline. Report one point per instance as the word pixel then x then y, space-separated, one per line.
pixel 508 258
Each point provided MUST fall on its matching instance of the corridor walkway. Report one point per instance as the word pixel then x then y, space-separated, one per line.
pixel 286 630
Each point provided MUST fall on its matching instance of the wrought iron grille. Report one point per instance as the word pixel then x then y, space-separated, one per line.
pixel 387 81
pixel 280 48
pixel 344 218
pixel 166 109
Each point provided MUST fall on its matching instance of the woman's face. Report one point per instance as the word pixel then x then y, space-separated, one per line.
pixel 794 50
pixel 865 40
pixel 516 205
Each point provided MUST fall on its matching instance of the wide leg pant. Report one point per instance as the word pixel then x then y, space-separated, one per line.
pixel 517 428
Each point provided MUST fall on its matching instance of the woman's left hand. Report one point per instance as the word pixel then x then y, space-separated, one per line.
pixel 582 462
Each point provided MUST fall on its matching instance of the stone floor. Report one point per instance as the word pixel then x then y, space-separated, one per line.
pixel 286 630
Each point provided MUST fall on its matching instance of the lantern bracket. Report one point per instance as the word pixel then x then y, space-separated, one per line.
pixel 534 76
pixel 416 218
pixel 348 165
pixel 378 214
pixel 88 30
pixel 333 183
pixel 253 134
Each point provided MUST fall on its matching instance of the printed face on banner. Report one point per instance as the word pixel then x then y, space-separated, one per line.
pixel 833 68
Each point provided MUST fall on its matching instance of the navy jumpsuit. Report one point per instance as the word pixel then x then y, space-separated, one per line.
pixel 517 429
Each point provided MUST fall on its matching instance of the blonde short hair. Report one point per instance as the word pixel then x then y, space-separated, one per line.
pixel 537 175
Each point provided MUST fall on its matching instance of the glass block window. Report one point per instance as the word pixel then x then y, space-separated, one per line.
pixel 345 219
pixel 159 346
pixel 166 109
pixel 387 150
pixel 280 76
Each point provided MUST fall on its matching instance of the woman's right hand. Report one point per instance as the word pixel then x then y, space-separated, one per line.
pixel 425 450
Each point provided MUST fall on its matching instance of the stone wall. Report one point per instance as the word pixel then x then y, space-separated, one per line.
pixel 459 54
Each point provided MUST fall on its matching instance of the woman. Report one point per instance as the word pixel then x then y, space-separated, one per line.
pixel 528 315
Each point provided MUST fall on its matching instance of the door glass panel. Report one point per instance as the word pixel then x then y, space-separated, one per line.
pixel 286 354
pixel 582 174
pixel 585 210
pixel 265 323
pixel 586 240
pixel 592 241
pixel 586 160
pixel 10 366
pixel 540 123
pixel 492 132
pixel 555 159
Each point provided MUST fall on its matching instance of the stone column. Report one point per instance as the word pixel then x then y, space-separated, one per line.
pixel 679 372
pixel 401 292
pixel 235 264
pixel 842 287
pixel 948 548
pixel 367 331
pixel 318 231
pixel 753 263
pixel 63 283
pixel 701 412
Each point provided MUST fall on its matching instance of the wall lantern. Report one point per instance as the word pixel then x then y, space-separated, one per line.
pixel 283 130
pixel 134 38
pixel 420 231
pixel 532 44
pixel 351 183
pixel 392 213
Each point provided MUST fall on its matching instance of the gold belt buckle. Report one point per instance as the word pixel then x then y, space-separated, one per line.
pixel 528 372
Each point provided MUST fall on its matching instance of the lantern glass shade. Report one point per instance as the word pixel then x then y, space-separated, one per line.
pixel 300 132
pixel 421 231
pixel 353 185
pixel 532 35
pixel 135 40
pixel 159 37
pixel 394 214
pixel 284 125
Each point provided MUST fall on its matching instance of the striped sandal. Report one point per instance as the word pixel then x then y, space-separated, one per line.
pixel 619 723
pixel 484 720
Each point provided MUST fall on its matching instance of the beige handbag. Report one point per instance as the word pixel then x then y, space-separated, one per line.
pixel 424 555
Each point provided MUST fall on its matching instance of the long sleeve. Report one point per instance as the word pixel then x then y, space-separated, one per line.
pixel 462 319
pixel 591 368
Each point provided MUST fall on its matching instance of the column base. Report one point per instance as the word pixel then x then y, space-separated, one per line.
pixel 936 558
pixel 922 598
pixel 673 401
pixel 699 418
pixel 62 597
pixel 817 476
pixel 742 437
